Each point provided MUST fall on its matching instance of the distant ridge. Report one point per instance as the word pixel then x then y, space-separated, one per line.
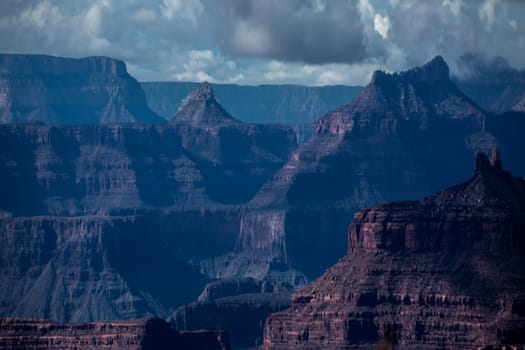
pixel 58 91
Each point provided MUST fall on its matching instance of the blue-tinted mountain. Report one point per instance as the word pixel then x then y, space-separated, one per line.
pixel 404 136
pixel 493 84
pixel 294 105
pixel 110 221
pixel 287 104
pixel 58 91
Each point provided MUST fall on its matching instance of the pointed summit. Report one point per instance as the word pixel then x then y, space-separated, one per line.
pixel 433 71
pixel 422 94
pixel 201 108
pixel 490 186
pixel 203 92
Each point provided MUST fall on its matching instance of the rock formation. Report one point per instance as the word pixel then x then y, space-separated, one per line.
pixel 143 334
pixel 80 170
pixel 447 271
pixel 80 269
pixel 238 305
pixel 57 90
pixel 104 222
pixel 404 136
pixel 286 104
pixel 242 149
pixel 293 105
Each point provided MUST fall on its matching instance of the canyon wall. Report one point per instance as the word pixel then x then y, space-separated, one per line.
pixel 446 271
pixel 58 90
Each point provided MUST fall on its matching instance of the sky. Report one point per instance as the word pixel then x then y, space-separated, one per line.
pixel 310 42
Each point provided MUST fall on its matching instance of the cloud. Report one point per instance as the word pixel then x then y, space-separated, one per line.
pixel 190 10
pixel 295 30
pixel 382 25
pixel 422 29
pixel 272 41
pixel 144 15
pixel 454 6
pixel 487 11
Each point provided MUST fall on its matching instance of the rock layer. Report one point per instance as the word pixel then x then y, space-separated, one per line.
pixel 242 315
pixel 286 104
pixel 144 334
pixel 91 268
pixel 404 136
pixel 57 90
pixel 446 271
pixel 79 170
pixel 103 222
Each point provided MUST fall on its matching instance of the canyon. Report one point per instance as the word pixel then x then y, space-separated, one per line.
pixel 103 221
pixel 388 143
pixel 293 105
pixel 446 271
pixel 204 219
pixel 405 136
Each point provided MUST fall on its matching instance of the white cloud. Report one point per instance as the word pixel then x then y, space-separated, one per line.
pixel 190 10
pixel 487 11
pixel 382 25
pixel 144 15
pixel 199 76
pixel 40 14
pixel 270 41
pixel 454 6
pixel 319 6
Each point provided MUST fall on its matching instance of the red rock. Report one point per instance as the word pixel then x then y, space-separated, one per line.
pixel 143 334
pixel 447 271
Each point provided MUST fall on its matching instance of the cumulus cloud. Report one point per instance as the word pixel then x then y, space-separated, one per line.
pixel 311 31
pixel 422 29
pixel 253 42
pixel 382 25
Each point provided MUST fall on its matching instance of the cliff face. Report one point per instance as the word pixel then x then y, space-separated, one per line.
pixel 404 136
pixel 287 104
pixel 56 90
pixel 238 305
pixel 446 271
pixel 90 268
pixel 92 169
pixel 210 132
pixel 104 222
pixel 144 334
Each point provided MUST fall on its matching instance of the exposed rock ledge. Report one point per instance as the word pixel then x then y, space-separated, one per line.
pixel 143 334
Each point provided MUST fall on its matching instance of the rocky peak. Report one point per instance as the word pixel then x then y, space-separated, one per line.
pixel 433 71
pixel 201 107
pixel 490 186
pixel 421 95
pixel 203 92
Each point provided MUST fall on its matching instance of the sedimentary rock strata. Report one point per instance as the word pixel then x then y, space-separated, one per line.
pixel 447 271
pixel 143 334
